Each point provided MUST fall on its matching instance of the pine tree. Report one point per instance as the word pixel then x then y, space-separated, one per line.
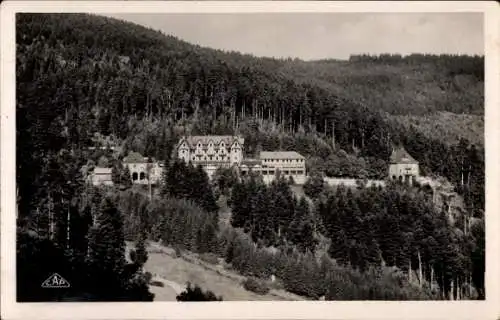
pixel 204 193
pixel 126 178
pixel 314 186
pixel 106 258
pixel 116 173
pixel 141 254
pixel 239 204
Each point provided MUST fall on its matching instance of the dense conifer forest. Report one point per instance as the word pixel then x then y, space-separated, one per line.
pixel 80 74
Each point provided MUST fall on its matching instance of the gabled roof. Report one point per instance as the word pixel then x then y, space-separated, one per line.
pixel 134 157
pixel 102 170
pixel 400 155
pixel 251 162
pixel 280 155
pixel 204 140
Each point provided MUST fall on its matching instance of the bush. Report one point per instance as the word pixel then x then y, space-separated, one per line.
pixel 255 285
pixel 157 283
pixel 197 294
pixel 148 276
pixel 178 252
pixel 209 258
pixel 277 284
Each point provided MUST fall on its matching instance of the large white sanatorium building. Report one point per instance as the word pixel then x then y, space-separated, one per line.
pixel 212 152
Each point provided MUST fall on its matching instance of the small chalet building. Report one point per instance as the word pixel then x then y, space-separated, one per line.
pixel 142 169
pixel 211 152
pixel 101 176
pixel 403 167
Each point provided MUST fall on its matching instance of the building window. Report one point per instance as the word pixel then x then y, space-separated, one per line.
pixel 286 172
pixel 300 172
pixel 142 176
pixel 264 172
pixel 134 176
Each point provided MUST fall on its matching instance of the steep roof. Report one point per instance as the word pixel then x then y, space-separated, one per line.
pixel 251 162
pixel 134 157
pixel 280 155
pixel 102 170
pixel 400 155
pixel 204 140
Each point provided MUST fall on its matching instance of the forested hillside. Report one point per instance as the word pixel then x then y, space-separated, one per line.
pixel 80 74
pixel 417 84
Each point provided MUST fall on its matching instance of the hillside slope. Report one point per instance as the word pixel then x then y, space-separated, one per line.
pixel 175 272
pixel 415 84
pixel 78 74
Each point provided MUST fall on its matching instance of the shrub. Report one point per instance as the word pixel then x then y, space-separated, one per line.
pixel 209 258
pixel 255 285
pixel 277 284
pixel 178 252
pixel 196 294
pixel 148 276
pixel 157 283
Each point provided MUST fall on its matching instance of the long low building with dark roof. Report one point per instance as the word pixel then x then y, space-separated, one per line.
pixel 270 164
pixel 290 164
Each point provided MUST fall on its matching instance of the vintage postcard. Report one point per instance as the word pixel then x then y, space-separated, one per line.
pixel 225 160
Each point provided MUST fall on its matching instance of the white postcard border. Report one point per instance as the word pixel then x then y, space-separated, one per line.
pixel 249 310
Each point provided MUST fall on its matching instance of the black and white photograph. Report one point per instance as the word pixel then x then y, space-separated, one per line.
pixel 247 156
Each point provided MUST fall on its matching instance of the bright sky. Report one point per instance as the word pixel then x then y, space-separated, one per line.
pixel 323 35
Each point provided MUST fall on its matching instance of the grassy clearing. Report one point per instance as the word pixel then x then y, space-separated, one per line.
pixel 176 272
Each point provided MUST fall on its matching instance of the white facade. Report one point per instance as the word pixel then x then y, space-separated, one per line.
pixel 140 171
pixel 101 176
pixel 211 152
pixel 403 167
pixel 288 163
pixel 403 170
pixel 143 171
